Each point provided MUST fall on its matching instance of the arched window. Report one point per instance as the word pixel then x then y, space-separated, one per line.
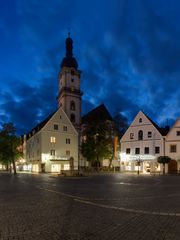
pixel 72 106
pixel 73 119
pixel 140 120
pixel 140 135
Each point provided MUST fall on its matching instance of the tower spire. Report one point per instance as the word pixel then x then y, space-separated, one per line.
pixel 69 60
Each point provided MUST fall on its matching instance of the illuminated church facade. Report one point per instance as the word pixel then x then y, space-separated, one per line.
pixel 53 145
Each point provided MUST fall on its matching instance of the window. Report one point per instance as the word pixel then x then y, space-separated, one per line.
pixel 140 120
pixel 146 150
pixel 60 117
pixel 149 134
pixel 131 135
pixel 55 126
pixel 67 153
pixel 137 150
pixel 72 106
pixel 72 79
pixel 52 139
pixel 72 72
pixel 178 133
pixel 68 140
pixel 128 150
pixel 73 119
pixel 157 150
pixel 173 148
pixel 65 128
pixel 52 152
pixel 140 135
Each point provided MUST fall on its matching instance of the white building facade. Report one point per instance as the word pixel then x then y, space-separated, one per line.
pixel 141 145
pixel 172 148
pixel 52 146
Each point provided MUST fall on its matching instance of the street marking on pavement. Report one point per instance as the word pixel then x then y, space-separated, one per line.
pixel 127 209
pixel 130 210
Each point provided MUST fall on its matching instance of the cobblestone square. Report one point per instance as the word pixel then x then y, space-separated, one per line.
pixel 106 206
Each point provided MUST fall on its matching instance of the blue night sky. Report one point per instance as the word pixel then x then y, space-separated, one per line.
pixel 128 51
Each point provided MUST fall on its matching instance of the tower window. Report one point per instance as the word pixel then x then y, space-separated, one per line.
pixel 72 72
pixel 72 106
pixel 73 119
pixel 72 79
pixel 140 135
pixel 140 120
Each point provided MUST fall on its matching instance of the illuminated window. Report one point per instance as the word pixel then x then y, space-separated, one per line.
pixel 128 150
pixel 157 150
pixel 52 139
pixel 149 134
pixel 146 150
pixel 140 135
pixel 131 135
pixel 72 106
pixel 52 152
pixel 137 150
pixel 173 148
pixel 68 140
pixel 65 128
pixel 55 126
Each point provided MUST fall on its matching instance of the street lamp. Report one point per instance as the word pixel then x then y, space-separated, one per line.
pixel 138 163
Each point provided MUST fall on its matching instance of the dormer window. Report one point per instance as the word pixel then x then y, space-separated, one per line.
pixel 140 120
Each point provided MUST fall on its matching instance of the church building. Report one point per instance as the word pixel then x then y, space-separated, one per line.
pixel 53 145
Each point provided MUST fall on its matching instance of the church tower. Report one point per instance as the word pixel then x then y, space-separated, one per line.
pixel 69 97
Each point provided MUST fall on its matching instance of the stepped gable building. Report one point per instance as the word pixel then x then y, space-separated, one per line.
pixel 142 144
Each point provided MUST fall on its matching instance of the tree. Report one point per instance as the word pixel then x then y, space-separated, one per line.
pixel 120 124
pixel 97 142
pixel 163 160
pixel 9 144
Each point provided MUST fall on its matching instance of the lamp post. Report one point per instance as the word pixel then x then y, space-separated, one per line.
pixel 138 163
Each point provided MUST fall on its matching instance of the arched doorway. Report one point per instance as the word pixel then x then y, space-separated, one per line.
pixel 172 166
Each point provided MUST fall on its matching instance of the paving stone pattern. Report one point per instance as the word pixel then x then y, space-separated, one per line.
pixel 112 206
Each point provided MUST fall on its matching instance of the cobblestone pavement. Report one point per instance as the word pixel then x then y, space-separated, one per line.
pixel 112 206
